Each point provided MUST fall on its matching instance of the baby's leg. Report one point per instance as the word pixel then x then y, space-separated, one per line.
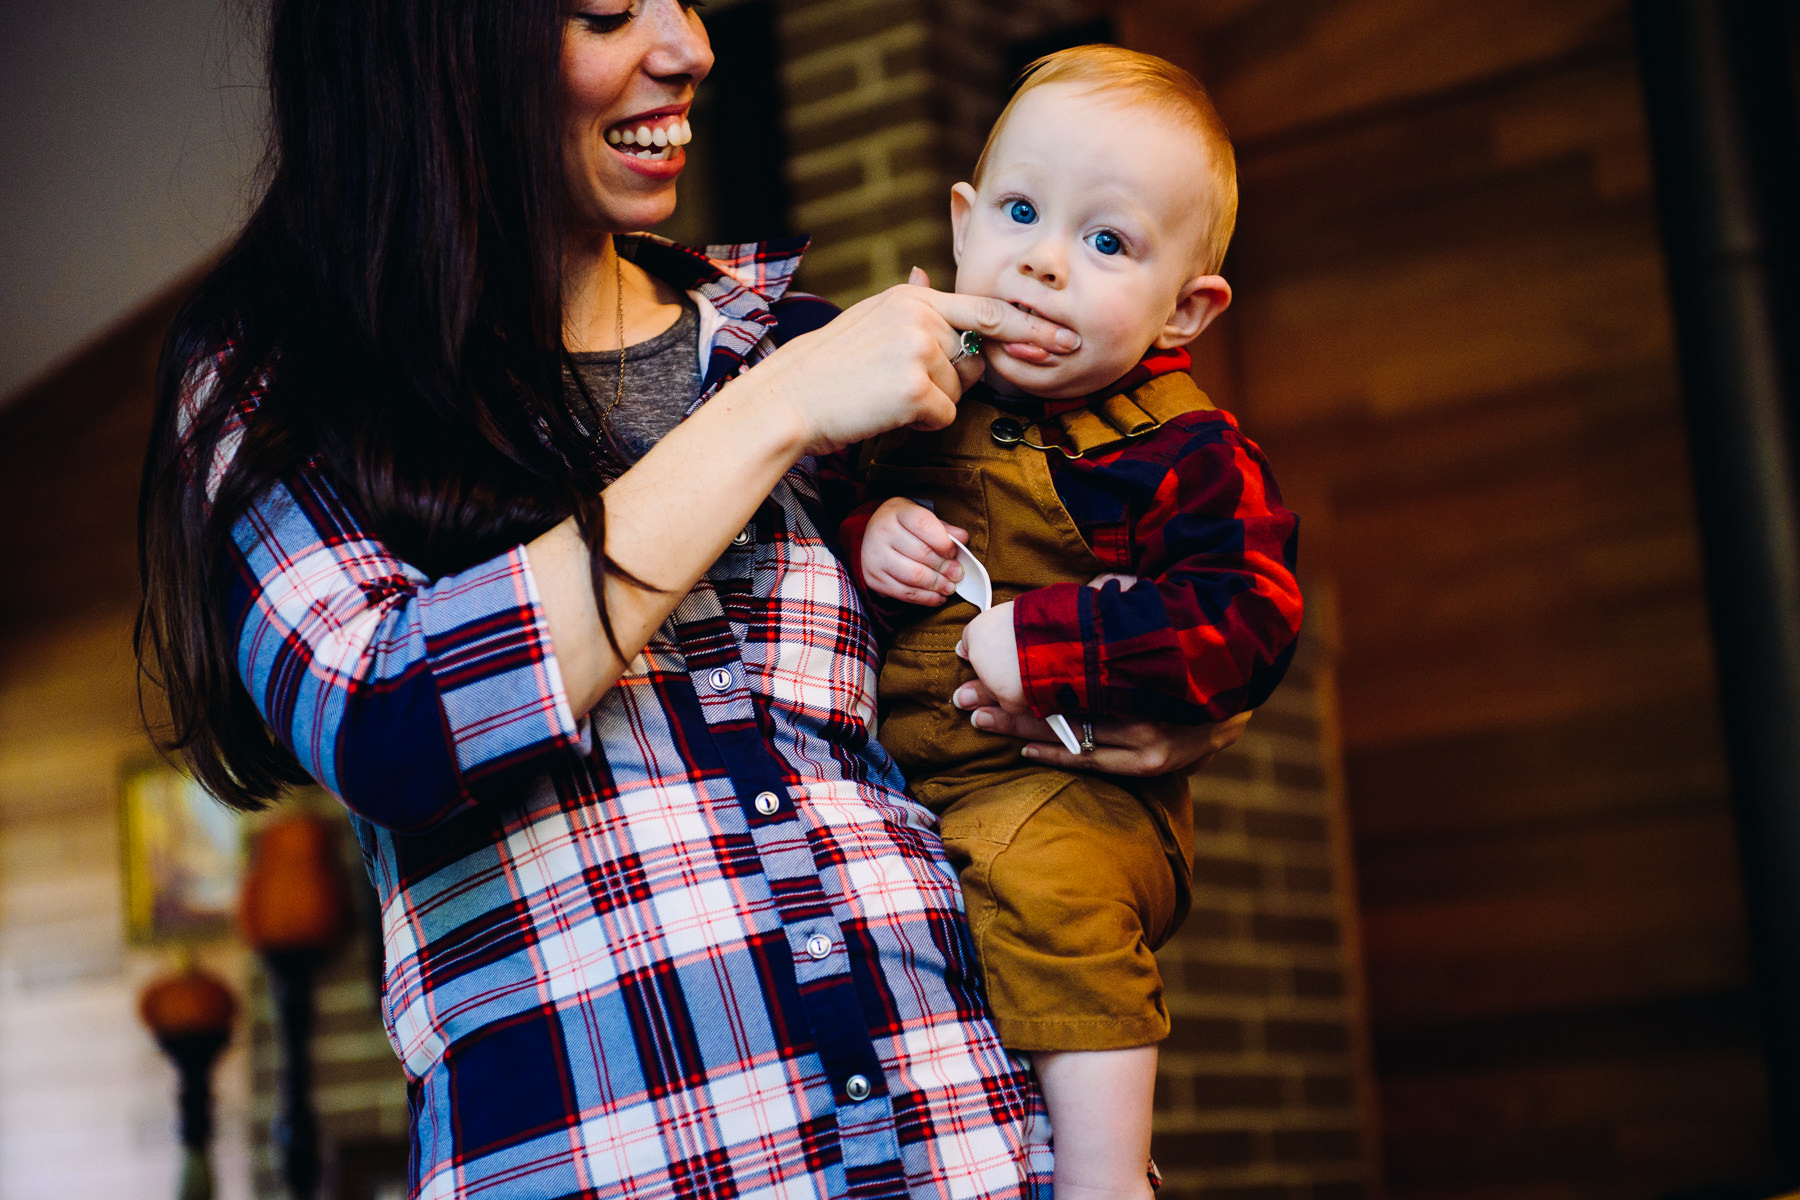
pixel 1099 1102
pixel 1069 883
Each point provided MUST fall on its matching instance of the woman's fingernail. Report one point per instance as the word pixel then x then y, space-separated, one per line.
pixel 1029 752
pixel 965 696
pixel 1068 339
pixel 982 720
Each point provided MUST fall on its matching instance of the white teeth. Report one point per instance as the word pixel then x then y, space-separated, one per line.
pixel 663 138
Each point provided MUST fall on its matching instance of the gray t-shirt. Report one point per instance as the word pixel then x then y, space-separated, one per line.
pixel 662 377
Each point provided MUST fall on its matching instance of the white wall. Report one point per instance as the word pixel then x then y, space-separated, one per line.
pixel 127 134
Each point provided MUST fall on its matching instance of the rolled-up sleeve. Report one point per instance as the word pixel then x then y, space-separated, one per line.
pixel 405 696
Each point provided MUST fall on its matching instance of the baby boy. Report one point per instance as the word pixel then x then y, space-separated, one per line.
pixel 1141 563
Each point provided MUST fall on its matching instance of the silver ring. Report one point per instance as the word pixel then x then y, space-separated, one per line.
pixel 1087 737
pixel 968 345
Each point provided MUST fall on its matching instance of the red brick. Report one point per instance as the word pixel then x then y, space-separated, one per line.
pixel 1210 923
pixel 1229 979
pixel 1328 1091
pixel 1214 1091
pixel 1287 1036
pixel 1284 826
pixel 1308 881
pixel 1318 1145
pixel 1192 1150
pixel 1227 872
pixel 1205 1034
pixel 853 27
pixel 846 178
pixel 1306 776
pixel 1302 931
pixel 1316 983
pixel 1213 818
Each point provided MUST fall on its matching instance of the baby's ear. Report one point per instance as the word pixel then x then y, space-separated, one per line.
pixel 962 204
pixel 1200 300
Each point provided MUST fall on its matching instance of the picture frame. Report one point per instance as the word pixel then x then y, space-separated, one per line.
pixel 184 856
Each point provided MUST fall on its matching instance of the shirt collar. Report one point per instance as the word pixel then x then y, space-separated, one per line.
pixel 740 281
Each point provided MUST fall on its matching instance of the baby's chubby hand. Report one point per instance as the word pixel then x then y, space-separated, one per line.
pixel 907 553
pixel 991 647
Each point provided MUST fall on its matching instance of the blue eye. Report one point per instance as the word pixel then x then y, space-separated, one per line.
pixel 1022 212
pixel 1107 242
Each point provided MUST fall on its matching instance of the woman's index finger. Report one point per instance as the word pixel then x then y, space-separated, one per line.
pixel 999 320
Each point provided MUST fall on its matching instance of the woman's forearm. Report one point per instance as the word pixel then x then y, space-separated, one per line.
pixel 667 520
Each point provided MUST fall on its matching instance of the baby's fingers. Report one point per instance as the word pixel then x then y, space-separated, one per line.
pixel 883 583
pixel 935 536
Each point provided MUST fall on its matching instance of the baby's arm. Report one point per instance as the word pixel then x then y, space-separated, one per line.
pixel 907 553
pixel 1208 630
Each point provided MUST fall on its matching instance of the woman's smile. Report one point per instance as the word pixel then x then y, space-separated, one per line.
pixel 627 83
pixel 655 137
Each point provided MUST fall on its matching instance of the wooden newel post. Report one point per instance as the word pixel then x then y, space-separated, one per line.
pixel 190 1013
pixel 293 911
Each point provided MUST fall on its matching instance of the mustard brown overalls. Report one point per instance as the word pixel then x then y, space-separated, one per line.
pixel 1070 878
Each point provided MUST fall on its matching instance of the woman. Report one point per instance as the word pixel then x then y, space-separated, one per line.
pixel 657 915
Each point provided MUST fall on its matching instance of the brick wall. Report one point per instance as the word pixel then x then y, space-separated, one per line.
pixel 1263 1091
pixel 887 105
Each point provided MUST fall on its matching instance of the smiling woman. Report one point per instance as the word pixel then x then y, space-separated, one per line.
pixel 462 502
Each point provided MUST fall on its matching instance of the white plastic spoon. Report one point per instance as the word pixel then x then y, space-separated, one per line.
pixel 978 589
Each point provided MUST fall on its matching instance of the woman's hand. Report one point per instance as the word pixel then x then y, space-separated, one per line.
pixel 1120 747
pixel 886 362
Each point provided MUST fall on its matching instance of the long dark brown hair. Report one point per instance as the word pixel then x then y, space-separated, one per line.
pixel 395 302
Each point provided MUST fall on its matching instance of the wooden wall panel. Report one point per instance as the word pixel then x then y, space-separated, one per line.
pixel 1452 335
pixel 87 1102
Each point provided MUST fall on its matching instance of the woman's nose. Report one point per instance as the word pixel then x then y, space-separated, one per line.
pixel 682 47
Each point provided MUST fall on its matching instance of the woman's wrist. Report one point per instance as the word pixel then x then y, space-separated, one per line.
pixel 767 418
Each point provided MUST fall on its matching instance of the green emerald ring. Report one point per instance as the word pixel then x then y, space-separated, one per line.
pixel 968 347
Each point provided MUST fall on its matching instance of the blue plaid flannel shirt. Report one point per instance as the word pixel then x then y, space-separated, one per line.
pixel 696 943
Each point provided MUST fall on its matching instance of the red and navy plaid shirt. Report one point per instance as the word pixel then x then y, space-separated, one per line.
pixel 1193 512
pixel 697 942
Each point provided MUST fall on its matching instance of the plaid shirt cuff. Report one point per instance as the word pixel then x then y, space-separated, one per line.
pixel 1057 640
pixel 488 647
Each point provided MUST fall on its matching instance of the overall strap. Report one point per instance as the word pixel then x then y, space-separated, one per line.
pixel 1106 423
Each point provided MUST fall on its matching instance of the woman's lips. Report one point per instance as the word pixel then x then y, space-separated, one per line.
pixel 655 168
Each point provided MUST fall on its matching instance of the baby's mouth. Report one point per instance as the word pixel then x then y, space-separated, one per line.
pixel 656 139
pixel 1027 351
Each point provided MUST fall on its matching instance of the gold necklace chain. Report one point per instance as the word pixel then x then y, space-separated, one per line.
pixel 619 315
